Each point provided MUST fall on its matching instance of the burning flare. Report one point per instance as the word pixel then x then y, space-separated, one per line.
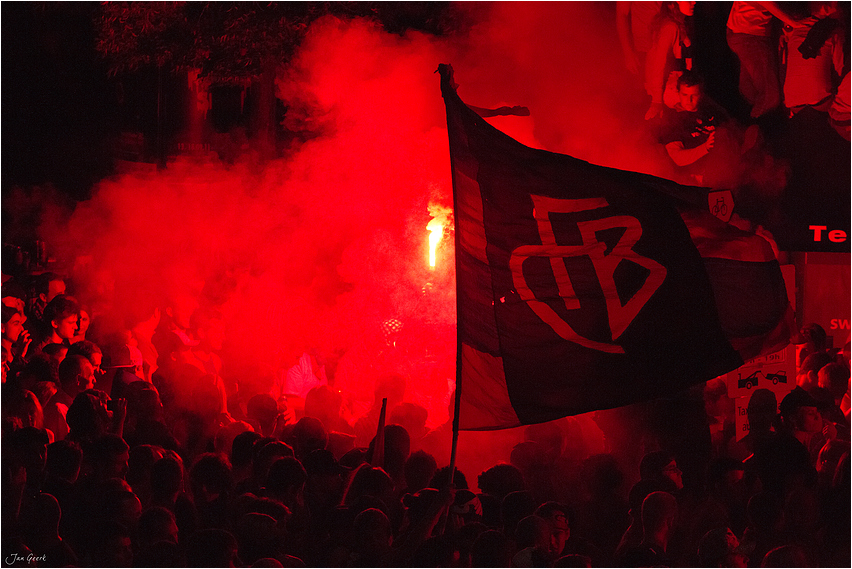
pixel 436 228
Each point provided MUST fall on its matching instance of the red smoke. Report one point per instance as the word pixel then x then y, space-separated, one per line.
pixel 318 249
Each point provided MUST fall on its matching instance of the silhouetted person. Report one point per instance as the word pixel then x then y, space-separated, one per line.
pixel 500 480
pixel 373 538
pixel 113 547
pixel 659 515
pixel 419 468
pixel 62 469
pixel 286 483
pixel 157 524
pixel 396 451
pixel 323 403
pixel 602 518
pixel 750 38
pixel 47 286
pixel 515 507
pixel 76 374
pixel 211 485
pixel 632 536
pixel 40 518
pixel 535 543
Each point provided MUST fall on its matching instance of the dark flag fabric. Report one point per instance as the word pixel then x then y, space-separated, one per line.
pixel 581 287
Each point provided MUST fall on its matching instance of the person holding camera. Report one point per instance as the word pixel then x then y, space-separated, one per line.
pixel 688 131
pixel 702 142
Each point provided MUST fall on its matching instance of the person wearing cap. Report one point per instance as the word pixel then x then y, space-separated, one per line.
pixel 123 368
pixel 557 516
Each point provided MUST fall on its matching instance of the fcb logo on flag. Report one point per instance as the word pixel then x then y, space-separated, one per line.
pixel 604 259
pixel 581 287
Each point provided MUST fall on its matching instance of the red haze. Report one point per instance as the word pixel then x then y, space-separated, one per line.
pixel 318 249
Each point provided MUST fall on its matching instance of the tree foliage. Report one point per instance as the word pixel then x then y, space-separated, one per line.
pixel 234 42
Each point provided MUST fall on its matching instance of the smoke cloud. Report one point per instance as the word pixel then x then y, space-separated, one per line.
pixel 324 248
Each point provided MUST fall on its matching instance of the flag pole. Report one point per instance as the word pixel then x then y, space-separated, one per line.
pixel 446 72
pixel 379 442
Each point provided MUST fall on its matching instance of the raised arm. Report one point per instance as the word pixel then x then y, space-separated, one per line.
pixel 776 11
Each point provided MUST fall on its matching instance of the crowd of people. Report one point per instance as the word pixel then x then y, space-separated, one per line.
pixel 127 442
pixel 123 446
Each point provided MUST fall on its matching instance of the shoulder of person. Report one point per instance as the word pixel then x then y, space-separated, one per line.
pixel 669 29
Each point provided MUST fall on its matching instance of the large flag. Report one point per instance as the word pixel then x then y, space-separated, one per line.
pixel 582 287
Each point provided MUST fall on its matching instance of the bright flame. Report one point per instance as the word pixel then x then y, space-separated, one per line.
pixel 436 232
pixel 436 229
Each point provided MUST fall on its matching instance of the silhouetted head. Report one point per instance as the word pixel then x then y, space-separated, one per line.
pixel 63 460
pixel 210 477
pixel 442 477
pixel 661 466
pixel 167 477
pixel 157 524
pixel 659 514
pixel 88 417
pixel 308 435
pixel 515 507
pixel 286 476
pixel 419 469
pixel 262 409
pixel 719 548
pixel 109 455
pixel 241 448
pixel 762 410
pixel 500 480
pixel 397 448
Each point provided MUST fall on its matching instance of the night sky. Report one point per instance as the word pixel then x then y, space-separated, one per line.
pixel 59 108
